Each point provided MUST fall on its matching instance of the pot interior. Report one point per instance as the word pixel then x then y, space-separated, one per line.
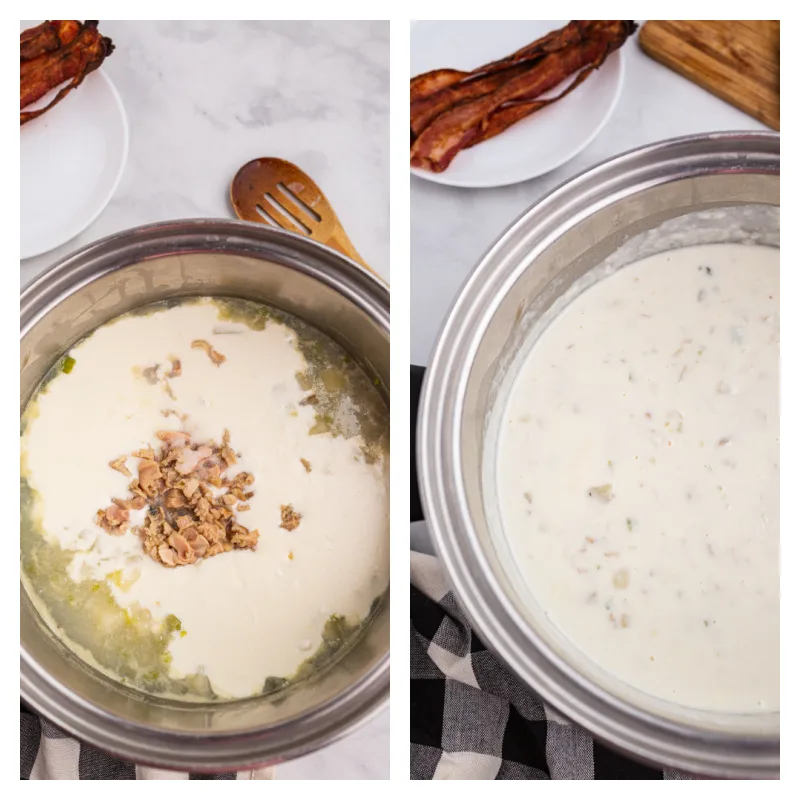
pixel 72 303
pixel 699 210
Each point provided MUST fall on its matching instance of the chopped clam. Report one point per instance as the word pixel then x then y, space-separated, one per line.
pixel 186 519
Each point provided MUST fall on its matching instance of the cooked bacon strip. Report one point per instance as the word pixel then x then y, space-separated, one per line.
pixel 508 115
pixel 572 33
pixel 73 62
pixel 434 92
pixel 426 109
pixel 512 113
pixel 47 37
pixel 429 83
pixel 469 122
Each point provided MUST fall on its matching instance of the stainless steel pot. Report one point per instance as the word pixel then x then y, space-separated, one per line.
pixel 224 259
pixel 717 188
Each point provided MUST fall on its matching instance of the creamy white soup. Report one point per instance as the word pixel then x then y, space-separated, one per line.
pixel 637 475
pixel 299 423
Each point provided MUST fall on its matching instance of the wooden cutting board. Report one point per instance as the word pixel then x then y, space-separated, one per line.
pixel 737 60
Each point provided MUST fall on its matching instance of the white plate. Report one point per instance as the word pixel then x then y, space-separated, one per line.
pixel 71 160
pixel 537 144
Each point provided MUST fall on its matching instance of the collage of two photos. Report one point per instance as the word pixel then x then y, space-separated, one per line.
pixel 592 311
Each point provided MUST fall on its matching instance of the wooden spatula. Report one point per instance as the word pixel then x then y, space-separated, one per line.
pixel 276 192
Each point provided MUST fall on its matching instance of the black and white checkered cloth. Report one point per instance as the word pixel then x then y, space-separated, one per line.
pixel 472 719
pixel 47 753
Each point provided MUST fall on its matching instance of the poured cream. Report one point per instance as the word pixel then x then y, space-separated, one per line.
pixel 245 615
pixel 637 475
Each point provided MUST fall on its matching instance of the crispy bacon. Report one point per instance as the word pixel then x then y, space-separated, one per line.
pixel 431 82
pixel 572 33
pixel 426 109
pixel 47 37
pixel 464 116
pixel 71 62
pixel 436 91
pixel 510 114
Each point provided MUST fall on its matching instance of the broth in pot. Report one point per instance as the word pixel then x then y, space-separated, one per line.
pixel 205 499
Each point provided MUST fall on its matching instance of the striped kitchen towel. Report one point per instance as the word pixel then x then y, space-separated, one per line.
pixel 471 719
pixel 47 753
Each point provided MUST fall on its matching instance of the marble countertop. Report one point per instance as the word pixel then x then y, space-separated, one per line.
pixel 202 99
pixel 452 228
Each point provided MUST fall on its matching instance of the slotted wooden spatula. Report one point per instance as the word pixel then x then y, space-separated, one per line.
pixel 275 192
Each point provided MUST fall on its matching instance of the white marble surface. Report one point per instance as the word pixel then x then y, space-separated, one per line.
pixel 202 99
pixel 364 755
pixel 452 228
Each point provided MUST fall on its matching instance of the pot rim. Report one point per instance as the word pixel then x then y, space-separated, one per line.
pixel 646 736
pixel 247 234
pixel 201 751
